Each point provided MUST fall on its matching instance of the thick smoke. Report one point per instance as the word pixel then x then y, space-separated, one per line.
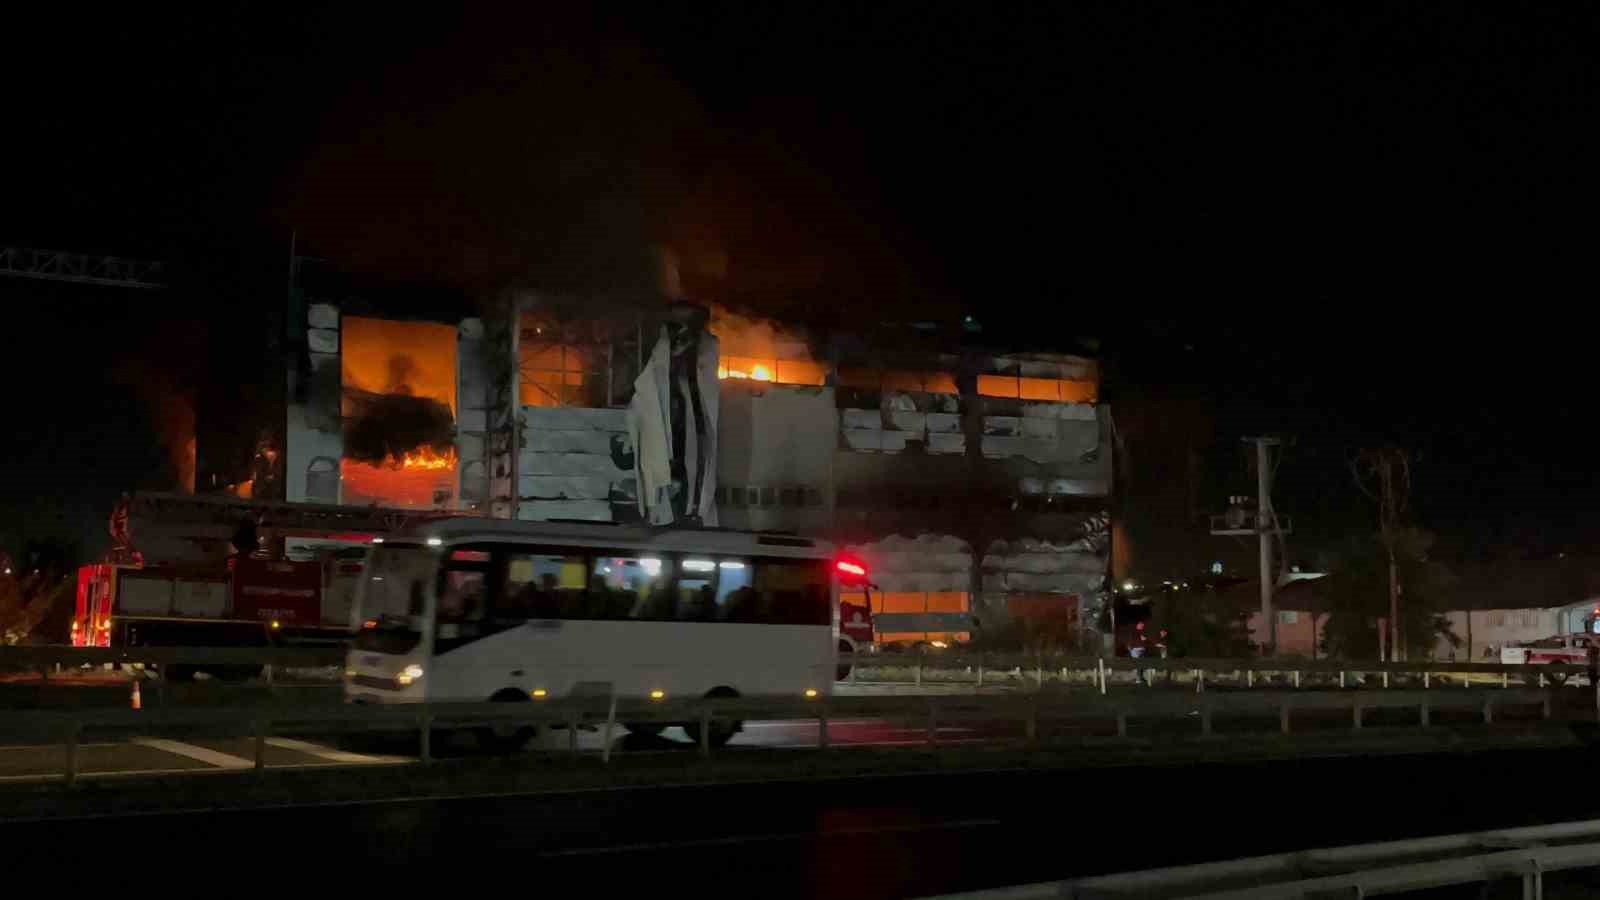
pixel 381 428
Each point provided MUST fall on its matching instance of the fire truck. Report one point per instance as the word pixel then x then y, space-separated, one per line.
pixel 184 585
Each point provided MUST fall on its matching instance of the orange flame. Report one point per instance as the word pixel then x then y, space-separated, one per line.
pixel 424 458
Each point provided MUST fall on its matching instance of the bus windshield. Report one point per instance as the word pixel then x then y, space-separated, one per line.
pixel 392 597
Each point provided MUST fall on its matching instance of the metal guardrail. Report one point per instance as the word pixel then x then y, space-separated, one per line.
pixel 1027 710
pixel 1364 870
pixel 978 664
pixel 46 657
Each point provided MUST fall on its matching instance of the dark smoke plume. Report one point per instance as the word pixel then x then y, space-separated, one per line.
pixel 382 427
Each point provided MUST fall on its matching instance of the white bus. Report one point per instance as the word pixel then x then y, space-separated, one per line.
pixel 472 609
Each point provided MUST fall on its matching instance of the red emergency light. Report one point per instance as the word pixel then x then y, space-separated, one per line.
pixel 851 570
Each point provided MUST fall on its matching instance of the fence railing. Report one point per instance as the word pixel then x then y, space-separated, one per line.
pixel 1020 718
pixel 977 667
pixel 1364 870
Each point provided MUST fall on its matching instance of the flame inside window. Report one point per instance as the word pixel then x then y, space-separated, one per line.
pixel 392 372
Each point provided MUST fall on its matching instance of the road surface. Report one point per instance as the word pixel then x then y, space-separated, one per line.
pixel 840 838
pixel 189 755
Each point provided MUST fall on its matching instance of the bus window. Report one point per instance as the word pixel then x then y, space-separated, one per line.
pixel 545 586
pixel 633 588
pixel 697 589
pixel 792 592
pixel 391 596
pixel 462 593
pixel 735 596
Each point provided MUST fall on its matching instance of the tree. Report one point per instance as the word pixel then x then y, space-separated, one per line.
pixel 1354 594
pixel 1203 620
pixel 26 600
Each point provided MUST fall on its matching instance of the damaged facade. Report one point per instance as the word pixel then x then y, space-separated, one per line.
pixel 974 485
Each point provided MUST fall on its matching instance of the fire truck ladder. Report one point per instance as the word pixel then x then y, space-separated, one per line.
pixel 281 517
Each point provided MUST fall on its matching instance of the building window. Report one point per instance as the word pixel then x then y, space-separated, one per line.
pixel 554 374
pixel 898 380
pixel 1052 390
pixel 779 371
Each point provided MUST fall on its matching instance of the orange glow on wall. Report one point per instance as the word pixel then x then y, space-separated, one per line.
pixel 552 374
pixel 1051 390
pixel 383 356
pixel 898 380
pixel 781 371
pixel 414 481
pixel 917 602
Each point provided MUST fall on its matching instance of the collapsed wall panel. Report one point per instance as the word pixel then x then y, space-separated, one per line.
pixel 314 439
pixel 923 587
pixel 775 457
pixel 575 463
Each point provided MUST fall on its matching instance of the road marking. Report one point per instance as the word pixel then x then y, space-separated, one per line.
pixel 331 754
pixel 782 836
pixel 56 746
pixel 203 754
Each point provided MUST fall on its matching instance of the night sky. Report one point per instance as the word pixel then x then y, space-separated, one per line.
pixel 1345 224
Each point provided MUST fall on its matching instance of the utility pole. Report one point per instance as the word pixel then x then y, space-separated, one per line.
pixel 1384 474
pixel 1267 526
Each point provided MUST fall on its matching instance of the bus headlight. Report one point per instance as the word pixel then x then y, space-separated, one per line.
pixel 409 674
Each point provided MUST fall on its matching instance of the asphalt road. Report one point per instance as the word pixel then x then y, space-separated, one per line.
pixel 125 755
pixel 843 838
pixel 114 754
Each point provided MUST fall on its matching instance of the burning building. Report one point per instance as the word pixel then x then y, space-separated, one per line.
pixel 975 484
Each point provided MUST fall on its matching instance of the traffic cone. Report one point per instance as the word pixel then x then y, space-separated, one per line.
pixel 136 702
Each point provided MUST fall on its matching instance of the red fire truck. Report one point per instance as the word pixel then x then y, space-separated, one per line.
pixel 185 590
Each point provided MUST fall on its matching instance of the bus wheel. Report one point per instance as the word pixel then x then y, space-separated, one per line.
pixel 506 737
pixel 843 670
pixel 722 730
pixel 1555 679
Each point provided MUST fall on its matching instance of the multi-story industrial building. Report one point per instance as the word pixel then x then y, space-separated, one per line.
pixel 974 483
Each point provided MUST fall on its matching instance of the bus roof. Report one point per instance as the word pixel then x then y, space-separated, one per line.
pixel 471 529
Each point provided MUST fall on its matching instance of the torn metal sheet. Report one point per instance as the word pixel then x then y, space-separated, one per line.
pixel 322 315
pixel 573 418
pixel 565 487
pixel 571 464
pixel 926 563
pixel 1028 564
pixel 596 443
pixel 544 510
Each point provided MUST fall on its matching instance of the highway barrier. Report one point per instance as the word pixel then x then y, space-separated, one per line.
pixel 1031 717
pixel 953 666
pixel 1526 855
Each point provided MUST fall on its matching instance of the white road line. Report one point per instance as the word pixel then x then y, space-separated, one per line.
pixel 331 754
pixel 203 754
pixel 57 746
